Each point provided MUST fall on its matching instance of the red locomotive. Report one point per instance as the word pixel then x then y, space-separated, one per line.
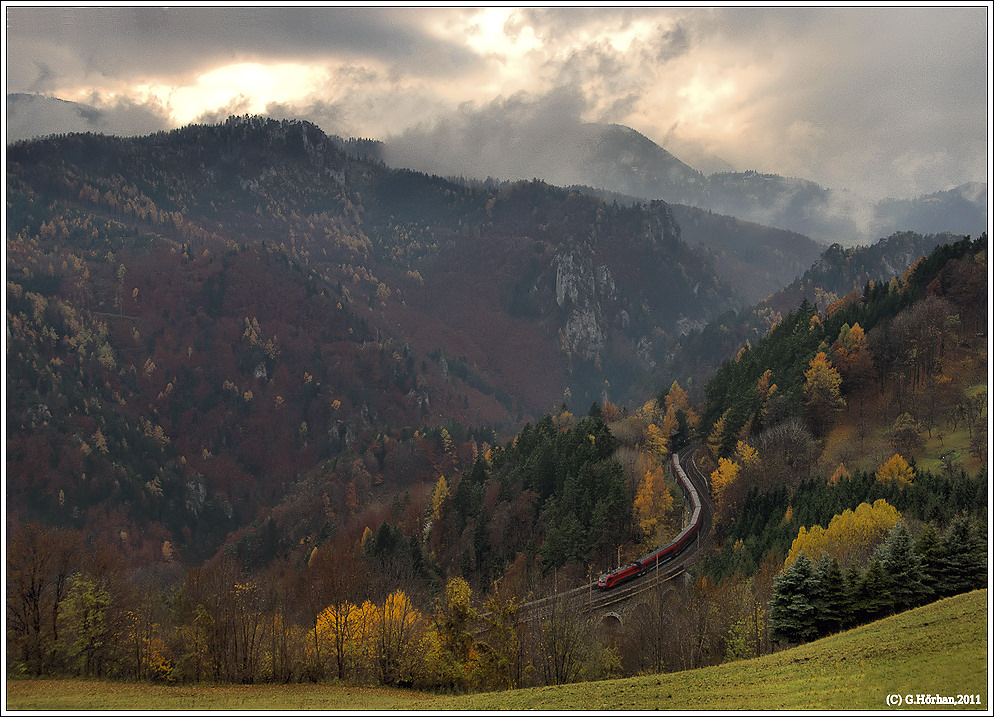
pixel 609 580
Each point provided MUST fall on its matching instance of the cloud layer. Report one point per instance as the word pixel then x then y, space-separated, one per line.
pixel 884 101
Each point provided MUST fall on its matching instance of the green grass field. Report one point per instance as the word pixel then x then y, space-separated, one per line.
pixel 939 649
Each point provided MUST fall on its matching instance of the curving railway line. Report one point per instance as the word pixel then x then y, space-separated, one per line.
pixel 658 566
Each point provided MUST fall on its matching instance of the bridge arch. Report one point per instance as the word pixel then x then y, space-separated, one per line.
pixel 611 620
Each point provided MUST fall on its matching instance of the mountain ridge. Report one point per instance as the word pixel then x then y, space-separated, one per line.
pixel 614 158
pixel 153 268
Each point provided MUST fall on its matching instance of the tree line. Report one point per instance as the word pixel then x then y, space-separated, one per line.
pixel 813 599
pixel 75 608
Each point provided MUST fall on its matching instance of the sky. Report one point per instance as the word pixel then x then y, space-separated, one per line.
pixel 880 100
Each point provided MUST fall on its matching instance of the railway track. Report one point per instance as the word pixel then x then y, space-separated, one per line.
pixel 589 598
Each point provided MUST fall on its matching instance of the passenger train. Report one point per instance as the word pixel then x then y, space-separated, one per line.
pixel 666 553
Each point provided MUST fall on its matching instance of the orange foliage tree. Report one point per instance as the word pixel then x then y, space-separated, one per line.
pixel 896 470
pixel 822 392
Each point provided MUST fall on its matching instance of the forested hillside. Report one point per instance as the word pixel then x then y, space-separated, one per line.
pixel 199 318
pixel 849 446
pixel 838 274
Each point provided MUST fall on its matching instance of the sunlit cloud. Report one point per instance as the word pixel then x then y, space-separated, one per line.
pixel 884 100
pixel 256 84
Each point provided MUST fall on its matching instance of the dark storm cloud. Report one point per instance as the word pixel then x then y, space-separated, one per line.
pixel 43 79
pixel 672 43
pixel 884 100
pixel 142 41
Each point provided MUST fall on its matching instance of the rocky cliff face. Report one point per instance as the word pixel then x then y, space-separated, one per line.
pixel 582 289
pixel 617 299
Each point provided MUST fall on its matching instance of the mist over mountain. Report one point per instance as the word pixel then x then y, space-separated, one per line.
pixel 33 116
pixel 567 153
pixel 619 159
pixel 516 139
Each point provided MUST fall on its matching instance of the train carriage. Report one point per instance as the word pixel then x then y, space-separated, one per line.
pixel 667 552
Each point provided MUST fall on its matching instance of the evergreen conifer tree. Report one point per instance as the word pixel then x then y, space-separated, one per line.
pixel 903 566
pixel 853 583
pixel 792 613
pixel 831 600
pixel 962 559
pixel 873 598
pixel 927 548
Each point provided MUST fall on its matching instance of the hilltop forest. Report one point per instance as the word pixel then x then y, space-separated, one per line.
pixel 279 412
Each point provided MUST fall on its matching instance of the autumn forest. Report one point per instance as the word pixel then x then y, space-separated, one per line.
pixel 278 412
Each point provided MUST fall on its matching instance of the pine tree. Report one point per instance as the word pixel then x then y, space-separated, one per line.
pixel 927 548
pixel 831 599
pixel 853 582
pixel 792 614
pixel 903 566
pixel 962 559
pixel 872 598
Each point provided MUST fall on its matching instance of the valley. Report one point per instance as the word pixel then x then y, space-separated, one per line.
pixel 279 412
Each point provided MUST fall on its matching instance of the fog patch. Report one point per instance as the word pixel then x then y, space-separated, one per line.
pixel 520 137
pixel 32 116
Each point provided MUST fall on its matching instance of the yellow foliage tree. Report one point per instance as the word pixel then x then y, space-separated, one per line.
pixel 649 411
pixel 722 479
pixel 446 441
pixel 822 390
pixel 337 633
pixel 653 501
pixel 850 536
pixel 765 388
pixel 677 400
pixel 714 438
pixel 439 496
pixel 396 638
pixel 746 455
pixel 841 473
pixel 896 470
pixel 670 425
pixel 449 644
pixel 656 443
pixel 855 339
